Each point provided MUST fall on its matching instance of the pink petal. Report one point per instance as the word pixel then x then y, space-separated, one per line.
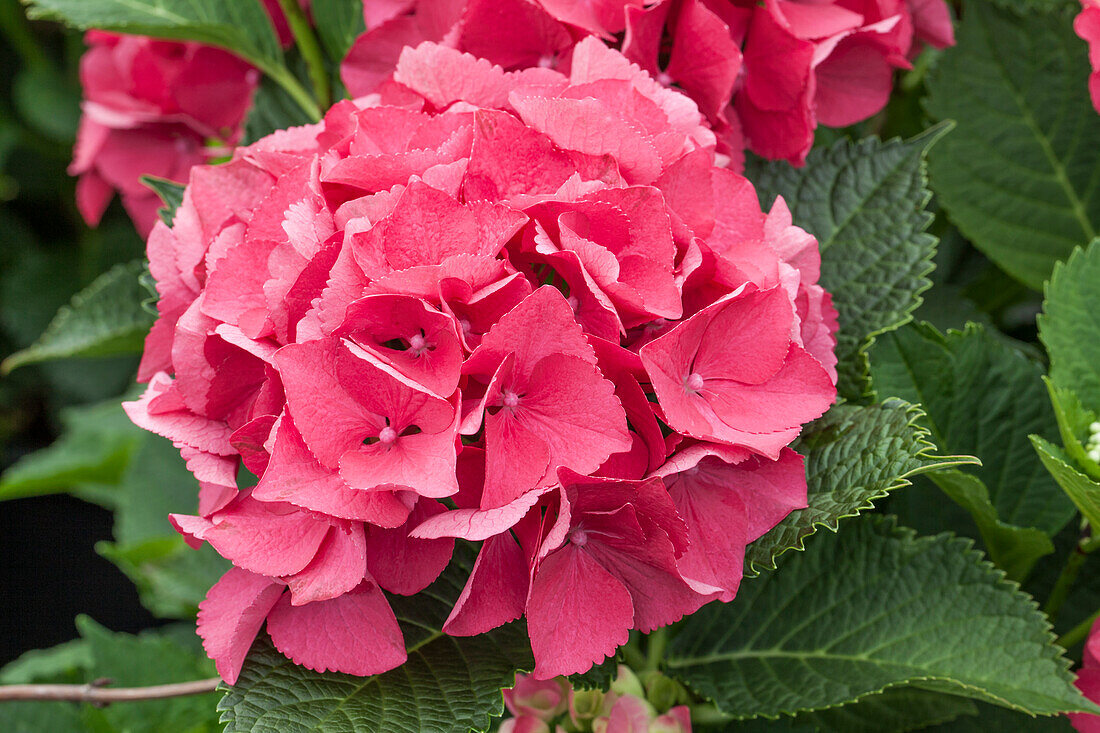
pixel 588 126
pixel 296 477
pixel 479 524
pixel 853 83
pixel 174 421
pixel 728 505
pixel 231 616
pixel 533 33
pixel 430 353
pixel 542 324
pixel 495 592
pixel 705 60
pixel 577 613
pixel 329 420
pixel 404 564
pixel 339 566
pixel 355 633
pixel 508 158
pixel 270 539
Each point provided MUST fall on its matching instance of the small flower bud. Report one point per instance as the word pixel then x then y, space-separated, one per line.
pixel 664 692
pixel 627 683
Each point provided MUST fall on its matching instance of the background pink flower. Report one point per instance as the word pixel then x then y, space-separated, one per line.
pixel 764 74
pixel 150 108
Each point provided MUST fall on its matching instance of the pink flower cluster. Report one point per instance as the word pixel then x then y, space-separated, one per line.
pixel 763 73
pixel 149 109
pixel 156 108
pixel 1087 26
pixel 546 706
pixel 520 308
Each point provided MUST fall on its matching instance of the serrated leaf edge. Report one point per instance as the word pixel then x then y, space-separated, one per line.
pixel 1001 580
pixel 920 434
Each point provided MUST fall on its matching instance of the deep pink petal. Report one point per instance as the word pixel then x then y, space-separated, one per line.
pixel 296 477
pixel 404 564
pixel 356 633
pixel 577 613
pixel 495 592
pixel 270 539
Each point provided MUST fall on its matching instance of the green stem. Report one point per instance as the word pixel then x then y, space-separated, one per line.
pixel 632 656
pixel 1078 633
pixel 1065 582
pixel 656 643
pixel 15 28
pixel 282 76
pixel 310 49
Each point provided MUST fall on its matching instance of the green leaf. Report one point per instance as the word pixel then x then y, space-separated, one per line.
pixel 156 484
pixel 95 447
pixel 448 683
pixel 338 23
pixel 598 677
pixel 104 319
pixel 866 204
pixel 1069 327
pixel 1073 423
pixel 162 656
pixel 895 710
pixel 272 109
pixel 36 717
pixel 171 578
pixel 855 455
pixel 992 718
pixel 152 658
pixel 1017 174
pixel 241 26
pixel 48 102
pixel 170 192
pixel 1013 549
pixel 64 663
pixel 1082 490
pixel 867 609
pixel 982 397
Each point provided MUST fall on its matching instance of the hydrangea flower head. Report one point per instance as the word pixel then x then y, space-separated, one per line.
pixel 521 308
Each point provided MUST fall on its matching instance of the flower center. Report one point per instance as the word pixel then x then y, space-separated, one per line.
pixel 693 382
pixel 510 399
pixel 387 435
pixel 417 344
pixel 579 537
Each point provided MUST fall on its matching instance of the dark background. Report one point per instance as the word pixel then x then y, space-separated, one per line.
pixel 49 570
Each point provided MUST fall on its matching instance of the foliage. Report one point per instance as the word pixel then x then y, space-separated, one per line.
pixel 890 609
pixel 448 684
pixel 865 203
pixel 1016 173
pixel 942 376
